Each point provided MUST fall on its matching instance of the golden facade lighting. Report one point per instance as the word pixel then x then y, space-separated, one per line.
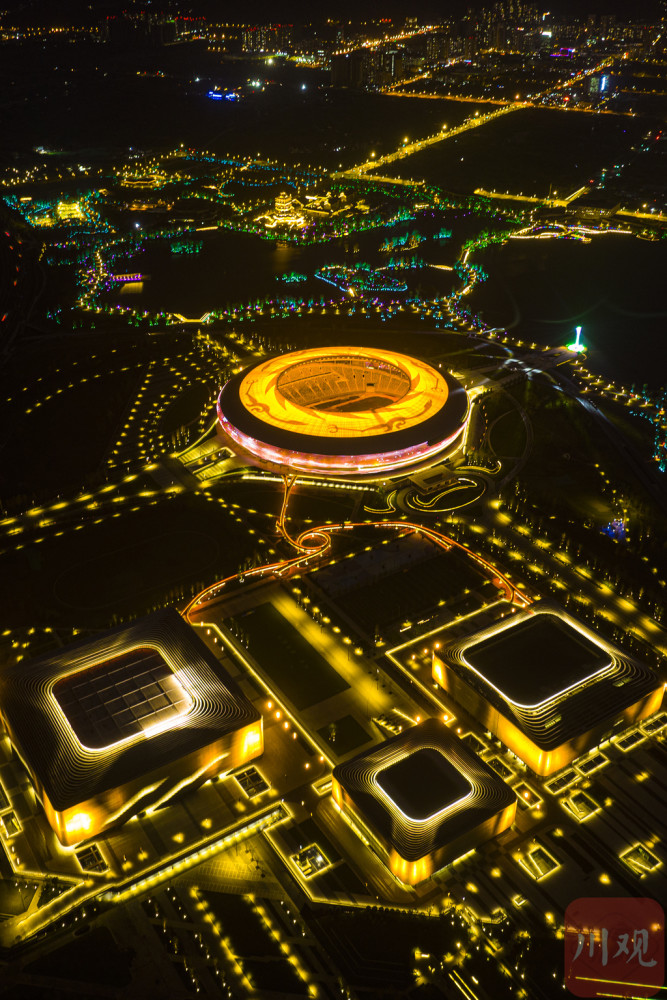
pixel 424 799
pixel 546 685
pixel 117 724
pixel 347 411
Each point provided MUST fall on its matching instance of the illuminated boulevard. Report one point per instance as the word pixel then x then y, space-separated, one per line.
pixel 333 558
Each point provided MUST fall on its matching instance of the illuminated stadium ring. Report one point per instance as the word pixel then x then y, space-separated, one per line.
pixel 346 411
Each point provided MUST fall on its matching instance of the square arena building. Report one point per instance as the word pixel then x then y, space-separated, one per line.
pixel 546 685
pixel 114 724
pixel 422 799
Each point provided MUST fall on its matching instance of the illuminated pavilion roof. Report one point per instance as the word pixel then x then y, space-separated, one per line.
pixel 105 711
pixel 342 411
pixel 423 790
pixel 548 673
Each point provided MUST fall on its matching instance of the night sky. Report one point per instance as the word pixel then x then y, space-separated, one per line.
pixel 62 11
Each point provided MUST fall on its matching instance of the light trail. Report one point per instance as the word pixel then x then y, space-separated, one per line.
pixel 322 538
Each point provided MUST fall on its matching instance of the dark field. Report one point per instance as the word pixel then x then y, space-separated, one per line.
pixel 344 735
pixel 508 435
pixel 613 286
pixel 134 106
pixel 94 958
pixel 14 899
pixel 382 594
pixel 65 437
pixel 65 399
pixel 527 152
pixel 123 565
pixel 250 941
pixel 305 505
pixel 301 673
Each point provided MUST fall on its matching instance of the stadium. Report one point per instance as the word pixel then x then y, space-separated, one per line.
pixel 346 411
pixel 546 685
pixel 111 726
pixel 422 799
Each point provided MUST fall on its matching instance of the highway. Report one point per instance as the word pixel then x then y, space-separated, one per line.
pixel 408 148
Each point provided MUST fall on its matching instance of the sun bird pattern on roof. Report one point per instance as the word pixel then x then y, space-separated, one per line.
pixel 342 411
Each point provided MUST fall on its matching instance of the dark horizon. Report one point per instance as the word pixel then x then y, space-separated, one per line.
pixel 41 12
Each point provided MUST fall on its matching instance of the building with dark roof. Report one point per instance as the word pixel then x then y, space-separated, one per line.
pixel 112 725
pixel 422 799
pixel 546 685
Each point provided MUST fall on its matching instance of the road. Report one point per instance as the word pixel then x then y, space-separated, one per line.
pixel 408 148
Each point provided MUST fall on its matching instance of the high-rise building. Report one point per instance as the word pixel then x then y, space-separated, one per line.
pixel 347 69
pixel 392 64
pixel 259 38
pixel 438 47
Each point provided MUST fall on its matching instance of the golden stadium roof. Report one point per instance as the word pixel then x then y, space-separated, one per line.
pixel 342 411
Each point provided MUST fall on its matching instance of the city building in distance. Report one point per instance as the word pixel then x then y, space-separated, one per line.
pixel 546 685
pixel 345 411
pixel 122 722
pixel 422 799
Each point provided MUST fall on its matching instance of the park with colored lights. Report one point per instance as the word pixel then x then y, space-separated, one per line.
pixel 332 503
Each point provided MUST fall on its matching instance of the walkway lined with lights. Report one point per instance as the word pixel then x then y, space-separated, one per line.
pixel 408 148
pixel 321 537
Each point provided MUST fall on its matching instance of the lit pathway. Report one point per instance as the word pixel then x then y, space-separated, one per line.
pixel 552 202
pixel 408 148
pixel 622 611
